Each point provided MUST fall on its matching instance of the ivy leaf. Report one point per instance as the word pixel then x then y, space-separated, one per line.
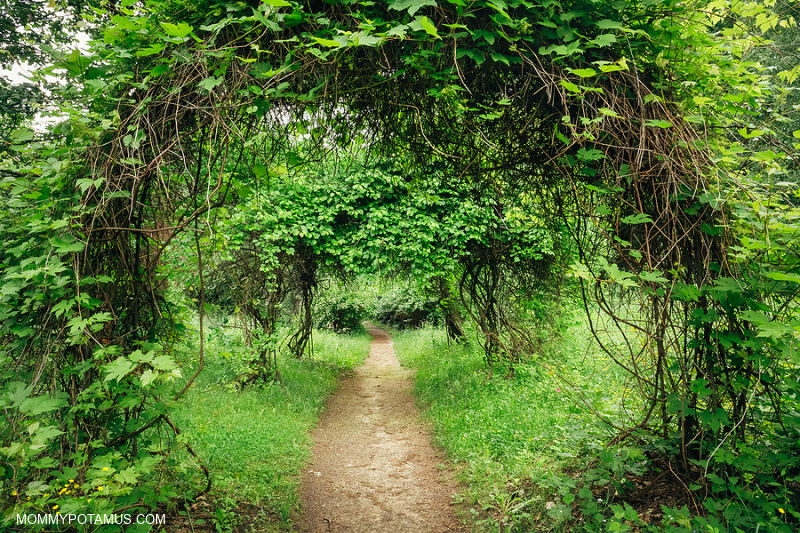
pixel 428 26
pixel 412 6
pixel 118 368
pixel 180 29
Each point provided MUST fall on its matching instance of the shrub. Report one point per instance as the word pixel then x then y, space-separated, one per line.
pixel 340 310
pixel 407 308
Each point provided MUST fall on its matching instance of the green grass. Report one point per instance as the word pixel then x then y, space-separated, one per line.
pixel 513 438
pixel 255 441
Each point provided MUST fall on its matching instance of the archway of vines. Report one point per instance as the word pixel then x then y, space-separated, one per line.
pixel 528 133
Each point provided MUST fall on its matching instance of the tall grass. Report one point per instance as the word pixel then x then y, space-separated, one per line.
pixel 514 439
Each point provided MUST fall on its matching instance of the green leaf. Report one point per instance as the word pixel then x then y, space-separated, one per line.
pixel 658 123
pixel 153 49
pixel 608 24
pixel 638 218
pixel 147 377
pixel 784 276
pixel 67 244
pixel 118 368
pixel 41 404
pixel 330 43
pixel 209 83
pixel 609 112
pixel 412 6
pixel 571 87
pixel 654 276
pixel 428 26
pixel 398 31
pixel 180 29
pixel 590 154
pixel 164 362
pixel 583 72
pixel 604 39
pixel 276 3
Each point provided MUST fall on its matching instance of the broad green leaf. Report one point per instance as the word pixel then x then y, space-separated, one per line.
pixel 654 276
pixel 164 362
pixel 209 83
pixel 330 43
pixel 589 154
pixel 147 377
pixel 180 29
pixel 608 24
pixel 67 244
pixel 604 39
pixel 571 87
pixel 428 26
pixel 41 404
pixel 118 368
pixel 658 123
pixel 638 218
pixel 583 72
pixel 276 3
pixel 153 49
pixel 412 6
pixel 398 31
pixel 784 276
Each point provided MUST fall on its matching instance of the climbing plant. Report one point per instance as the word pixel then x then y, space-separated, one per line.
pixel 596 112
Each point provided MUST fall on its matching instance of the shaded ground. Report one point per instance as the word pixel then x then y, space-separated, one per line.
pixel 373 468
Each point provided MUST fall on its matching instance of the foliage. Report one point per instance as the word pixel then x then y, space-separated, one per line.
pixel 529 132
pixel 341 310
pixel 405 307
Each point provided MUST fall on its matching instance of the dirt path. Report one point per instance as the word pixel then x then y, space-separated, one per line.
pixel 373 469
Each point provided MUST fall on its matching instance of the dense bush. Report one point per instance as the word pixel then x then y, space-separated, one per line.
pixel 340 310
pixel 407 308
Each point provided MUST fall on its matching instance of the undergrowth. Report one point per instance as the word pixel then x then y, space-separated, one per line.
pixel 515 440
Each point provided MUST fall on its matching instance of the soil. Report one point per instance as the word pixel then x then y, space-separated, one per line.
pixel 373 468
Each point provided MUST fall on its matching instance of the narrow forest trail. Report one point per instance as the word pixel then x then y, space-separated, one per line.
pixel 373 468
